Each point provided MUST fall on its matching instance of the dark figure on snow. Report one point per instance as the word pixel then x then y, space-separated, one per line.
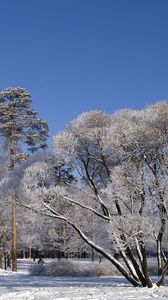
pixel 40 261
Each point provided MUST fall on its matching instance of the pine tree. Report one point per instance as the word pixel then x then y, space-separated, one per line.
pixel 19 123
pixel 24 132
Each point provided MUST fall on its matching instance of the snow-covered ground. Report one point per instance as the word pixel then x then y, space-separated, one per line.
pixel 22 286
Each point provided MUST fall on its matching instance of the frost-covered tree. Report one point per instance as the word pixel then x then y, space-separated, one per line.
pixel 22 130
pixel 119 203
pixel 37 231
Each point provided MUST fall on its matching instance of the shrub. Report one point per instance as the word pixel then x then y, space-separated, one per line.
pixel 37 269
pixel 74 268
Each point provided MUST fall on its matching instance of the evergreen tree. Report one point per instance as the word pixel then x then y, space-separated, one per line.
pixel 20 125
pixel 24 132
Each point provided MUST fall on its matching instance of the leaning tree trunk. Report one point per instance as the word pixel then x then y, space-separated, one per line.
pixel 132 262
pixel 145 265
pixel 162 277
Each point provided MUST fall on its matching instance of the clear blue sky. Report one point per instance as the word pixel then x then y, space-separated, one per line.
pixel 79 55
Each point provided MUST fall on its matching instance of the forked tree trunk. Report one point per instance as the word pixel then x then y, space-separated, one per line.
pixel 132 262
pixel 139 273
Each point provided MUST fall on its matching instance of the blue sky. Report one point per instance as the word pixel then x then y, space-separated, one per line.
pixel 80 55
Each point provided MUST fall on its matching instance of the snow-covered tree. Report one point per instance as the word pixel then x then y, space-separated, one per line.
pixel 119 203
pixel 22 130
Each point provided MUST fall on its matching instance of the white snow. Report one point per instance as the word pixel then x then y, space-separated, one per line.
pixel 22 286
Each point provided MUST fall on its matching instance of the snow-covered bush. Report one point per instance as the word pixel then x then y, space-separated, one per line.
pixel 38 269
pixel 62 268
pixel 74 268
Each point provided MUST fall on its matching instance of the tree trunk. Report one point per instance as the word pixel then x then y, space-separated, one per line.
pixel 138 251
pixel 30 252
pixel 1 261
pixel 159 258
pixel 132 263
pixel 159 245
pixel 145 266
pixel 136 266
pixel 65 241
pixel 93 256
pixel 162 277
pixel 14 249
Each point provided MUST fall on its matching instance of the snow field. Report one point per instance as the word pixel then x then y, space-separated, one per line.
pixel 22 286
